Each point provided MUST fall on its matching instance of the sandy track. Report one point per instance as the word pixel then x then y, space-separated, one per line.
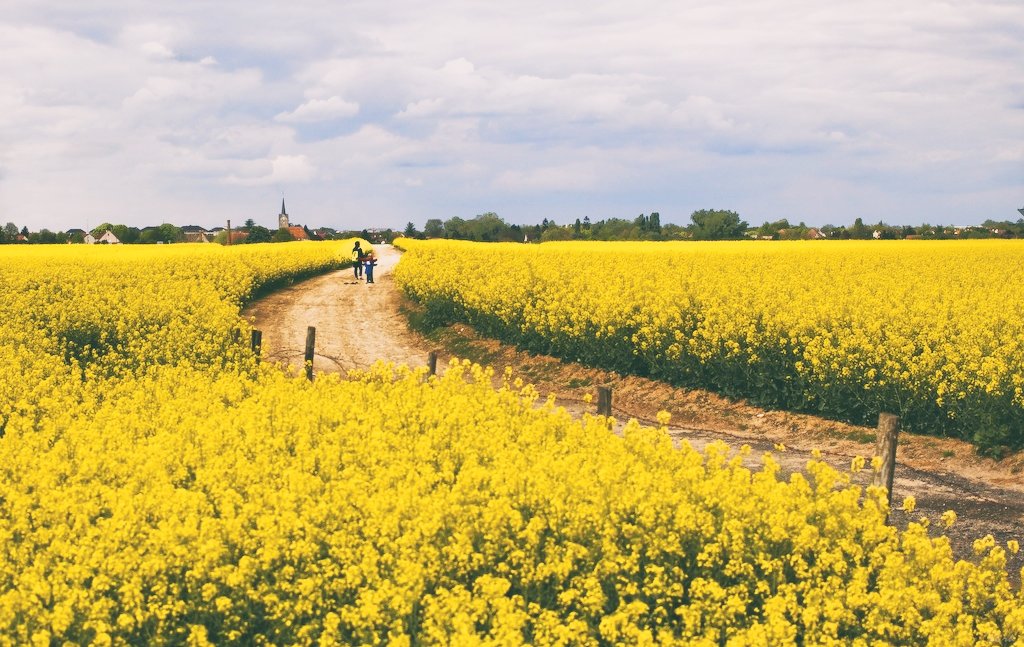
pixel 356 323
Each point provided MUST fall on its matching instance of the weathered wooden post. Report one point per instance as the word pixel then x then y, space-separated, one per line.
pixel 257 344
pixel 310 345
pixel 604 400
pixel 885 447
pixel 432 362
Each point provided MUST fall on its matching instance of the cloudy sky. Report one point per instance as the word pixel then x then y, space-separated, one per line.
pixel 365 114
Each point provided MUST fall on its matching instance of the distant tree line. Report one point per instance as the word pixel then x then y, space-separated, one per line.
pixel 166 233
pixel 783 230
pixel 489 227
pixel 705 224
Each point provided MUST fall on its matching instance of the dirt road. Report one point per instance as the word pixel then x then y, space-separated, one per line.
pixel 358 324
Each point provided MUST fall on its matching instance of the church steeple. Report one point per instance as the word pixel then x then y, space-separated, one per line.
pixel 282 218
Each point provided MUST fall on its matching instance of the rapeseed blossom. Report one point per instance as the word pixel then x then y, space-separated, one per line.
pixel 932 331
pixel 159 486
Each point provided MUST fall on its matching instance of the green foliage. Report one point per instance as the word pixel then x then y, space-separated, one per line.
pixel 434 228
pixel 126 234
pixel 259 234
pixel 281 235
pixel 716 224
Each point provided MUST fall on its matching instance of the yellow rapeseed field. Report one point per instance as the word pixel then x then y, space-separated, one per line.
pixel 932 331
pixel 161 487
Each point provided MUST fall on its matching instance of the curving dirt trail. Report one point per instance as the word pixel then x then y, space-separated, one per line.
pixel 358 324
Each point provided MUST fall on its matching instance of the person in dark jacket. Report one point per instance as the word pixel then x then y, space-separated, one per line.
pixel 357 256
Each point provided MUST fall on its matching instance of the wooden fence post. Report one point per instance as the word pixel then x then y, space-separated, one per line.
pixel 885 447
pixel 604 400
pixel 432 362
pixel 310 346
pixel 257 344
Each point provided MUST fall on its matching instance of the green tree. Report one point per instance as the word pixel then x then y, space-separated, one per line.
pixel 455 227
pixel 168 233
pixel 410 231
pixel 101 229
pixel 282 235
pixel 860 231
pixel 556 233
pixel 126 234
pixel 614 229
pixel 434 228
pixel 486 227
pixel 773 228
pixel 654 222
pixel 43 237
pixel 672 231
pixel 258 234
pixel 716 224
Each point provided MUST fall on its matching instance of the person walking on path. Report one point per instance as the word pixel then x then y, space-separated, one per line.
pixel 370 261
pixel 357 256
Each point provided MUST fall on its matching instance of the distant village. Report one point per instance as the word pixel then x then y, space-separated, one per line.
pixel 706 224
pixel 244 233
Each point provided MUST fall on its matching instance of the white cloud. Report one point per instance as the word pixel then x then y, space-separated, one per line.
pixel 152 40
pixel 577 176
pixel 906 115
pixel 320 110
pixel 283 169
pixel 700 112
pixel 422 108
pixel 157 50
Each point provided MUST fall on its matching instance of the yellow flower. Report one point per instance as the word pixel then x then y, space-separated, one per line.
pixel 857 464
pixel 159 482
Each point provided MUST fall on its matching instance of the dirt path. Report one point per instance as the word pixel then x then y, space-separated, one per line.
pixel 358 324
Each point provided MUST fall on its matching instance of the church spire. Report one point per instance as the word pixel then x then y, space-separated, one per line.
pixel 282 218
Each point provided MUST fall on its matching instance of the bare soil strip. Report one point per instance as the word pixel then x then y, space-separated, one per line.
pixel 358 324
